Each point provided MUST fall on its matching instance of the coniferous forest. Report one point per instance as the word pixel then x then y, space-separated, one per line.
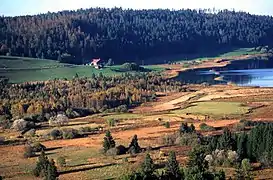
pixel 130 35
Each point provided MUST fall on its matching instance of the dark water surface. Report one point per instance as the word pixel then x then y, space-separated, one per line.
pixel 253 72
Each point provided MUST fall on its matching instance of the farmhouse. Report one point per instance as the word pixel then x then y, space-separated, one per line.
pixel 97 63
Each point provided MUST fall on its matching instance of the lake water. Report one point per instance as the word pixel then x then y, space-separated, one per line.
pixel 254 72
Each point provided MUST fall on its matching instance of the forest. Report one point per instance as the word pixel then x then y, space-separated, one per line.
pixel 81 96
pixel 130 35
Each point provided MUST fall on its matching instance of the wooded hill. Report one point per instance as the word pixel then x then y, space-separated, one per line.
pixel 130 35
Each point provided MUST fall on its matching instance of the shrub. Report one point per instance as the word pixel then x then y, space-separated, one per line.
pixel 167 124
pixel 131 67
pixel 169 140
pixel 61 161
pixel 37 147
pixel 205 127
pixel 112 152
pixel 121 150
pixel 246 169
pixel 45 168
pixel 134 146
pixel 70 133
pixel 148 167
pixel 30 133
pixel 108 141
pixel 22 125
pixel 122 109
pixel 28 152
pixel 172 167
pixel 191 139
pixel 5 121
pixel 59 120
pixel 86 129
pixel 69 113
pixel 111 122
pixel 2 140
pixel 222 158
pixel 184 128
pixel 55 134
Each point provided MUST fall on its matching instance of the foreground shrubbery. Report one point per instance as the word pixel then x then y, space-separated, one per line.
pixel 205 127
pixel 186 136
pixel 257 145
pixel 45 168
pixel 110 148
pixel 197 168
pixel 31 149
pixel 70 133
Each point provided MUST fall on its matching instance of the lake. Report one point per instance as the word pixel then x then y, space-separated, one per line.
pixel 253 72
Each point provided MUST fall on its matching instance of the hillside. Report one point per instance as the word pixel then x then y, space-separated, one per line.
pixel 130 35
pixel 19 70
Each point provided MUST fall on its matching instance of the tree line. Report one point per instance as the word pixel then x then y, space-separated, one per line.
pixel 255 145
pixel 130 35
pixel 82 96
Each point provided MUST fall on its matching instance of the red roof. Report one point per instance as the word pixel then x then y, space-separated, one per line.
pixel 95 60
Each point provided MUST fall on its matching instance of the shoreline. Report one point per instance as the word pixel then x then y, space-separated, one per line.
pixel 174 70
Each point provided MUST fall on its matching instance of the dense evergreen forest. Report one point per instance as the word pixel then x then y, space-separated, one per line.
pixel 130 35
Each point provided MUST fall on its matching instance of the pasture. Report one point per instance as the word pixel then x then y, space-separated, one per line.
pixel 215 109
pixel 19 70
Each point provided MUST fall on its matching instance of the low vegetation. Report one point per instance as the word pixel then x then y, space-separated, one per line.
pixel 215 109
pixel 205 127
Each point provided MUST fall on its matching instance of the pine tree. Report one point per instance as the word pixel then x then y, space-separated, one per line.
pixel 51 171
pixel 108 141
pixel 197 167
pixel 183 128
pixel 172 167
pixel 241 146
pixel 197 159
pixel 226 141
pixel 192 128
pixel 147 167
pixel 41 165
pixel 134 146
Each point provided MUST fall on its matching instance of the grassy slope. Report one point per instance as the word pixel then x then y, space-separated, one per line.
pixel 28 69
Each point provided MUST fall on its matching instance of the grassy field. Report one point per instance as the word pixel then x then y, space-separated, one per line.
pixel 215 109
pixel 123 116
pixel 28 69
